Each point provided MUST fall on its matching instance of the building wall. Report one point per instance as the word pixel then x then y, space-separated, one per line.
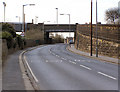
pixel 35 32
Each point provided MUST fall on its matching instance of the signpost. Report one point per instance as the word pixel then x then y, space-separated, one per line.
pixel 22 34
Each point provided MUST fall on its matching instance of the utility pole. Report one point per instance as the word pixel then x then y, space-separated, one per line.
pixel 91 29
pixel 23 19
pixel 56 15
pixel 4 10
pixel 69 25
pixel 96 32
pixel 23 25
pixel 69 22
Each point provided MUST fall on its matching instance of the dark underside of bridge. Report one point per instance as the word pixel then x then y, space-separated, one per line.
pixel 57 28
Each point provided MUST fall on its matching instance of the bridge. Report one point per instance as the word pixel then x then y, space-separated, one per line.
pixel 57 28
pixel 47 28
pixel 60 27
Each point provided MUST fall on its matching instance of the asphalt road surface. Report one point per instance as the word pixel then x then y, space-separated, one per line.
pixel 56 68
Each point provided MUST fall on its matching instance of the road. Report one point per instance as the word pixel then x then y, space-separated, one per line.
pixel 56 68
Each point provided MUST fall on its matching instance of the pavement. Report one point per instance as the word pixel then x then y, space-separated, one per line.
pixel 100 57
pixel 14 77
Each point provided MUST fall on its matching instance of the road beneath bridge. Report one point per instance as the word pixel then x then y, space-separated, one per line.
pixel 58 28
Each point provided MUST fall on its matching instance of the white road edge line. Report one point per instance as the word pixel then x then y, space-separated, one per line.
pixel 107 75
pixel 86 67
pixel 30 69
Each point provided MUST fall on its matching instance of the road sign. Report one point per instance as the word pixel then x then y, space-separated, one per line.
pixel 22 34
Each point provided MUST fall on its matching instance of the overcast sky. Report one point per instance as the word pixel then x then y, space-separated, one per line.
pixel 45 10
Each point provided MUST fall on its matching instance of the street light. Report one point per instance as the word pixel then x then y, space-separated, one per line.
pixel 56 15
pixel 43 24
pixel 19 22
pixel 18 18
pixel 69 22
pixel 36 17
pixel 96 32
pixel 23 26
pixel 4 10
pixel 91 29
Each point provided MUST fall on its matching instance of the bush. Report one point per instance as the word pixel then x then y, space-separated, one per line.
pixel 7 27
pixel 9 39
pixel 14 43
pixel 20 41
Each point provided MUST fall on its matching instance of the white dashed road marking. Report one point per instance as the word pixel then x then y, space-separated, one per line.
pixel 86 67
pixel 107 75
pixel 63 58
pixel 75 60
pixel 46 60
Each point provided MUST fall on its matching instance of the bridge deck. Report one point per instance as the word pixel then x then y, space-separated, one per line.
pixel 59 28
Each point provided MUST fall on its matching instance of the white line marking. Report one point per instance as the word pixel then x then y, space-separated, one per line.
pixel 86 67
pixel 75 60
pixel 107 75
pixel 30 70
pixel 72 62
pixel 63 58
pixel 46 60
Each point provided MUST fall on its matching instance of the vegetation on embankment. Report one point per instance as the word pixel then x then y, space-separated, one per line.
pixel 57 38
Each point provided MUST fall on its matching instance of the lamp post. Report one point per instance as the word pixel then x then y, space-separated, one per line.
pixel 96 32
pixel 69 22
pixel 91 29
pixel 43 24
pixel 56 15
pixel 23 26
pixel 19 21
pixel 4 10
pixel 36 17
pixel 18 18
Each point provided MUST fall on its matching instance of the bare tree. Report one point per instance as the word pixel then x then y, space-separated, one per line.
pixel 111 15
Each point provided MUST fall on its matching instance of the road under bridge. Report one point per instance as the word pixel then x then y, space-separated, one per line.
pixel 58 28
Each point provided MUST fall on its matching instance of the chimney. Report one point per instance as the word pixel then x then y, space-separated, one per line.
pixel 32 21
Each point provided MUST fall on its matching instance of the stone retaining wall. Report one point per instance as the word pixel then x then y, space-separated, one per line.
pixel 6 51
pixel 106 46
